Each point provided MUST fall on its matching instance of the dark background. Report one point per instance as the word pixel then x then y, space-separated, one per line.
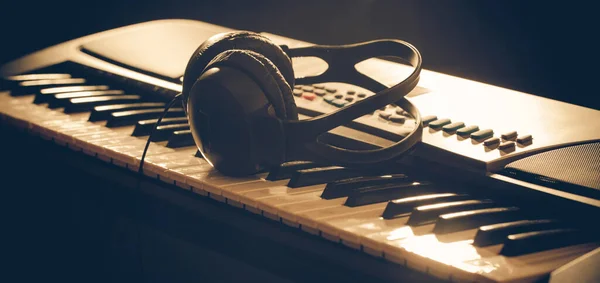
pixel 548 48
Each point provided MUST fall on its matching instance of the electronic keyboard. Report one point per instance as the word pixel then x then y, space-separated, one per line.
pixel 475 201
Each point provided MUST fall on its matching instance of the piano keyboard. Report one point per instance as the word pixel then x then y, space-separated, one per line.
pixel 440 228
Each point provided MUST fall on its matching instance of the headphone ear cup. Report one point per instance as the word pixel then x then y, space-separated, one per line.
pixel 265 74
pixel 236 40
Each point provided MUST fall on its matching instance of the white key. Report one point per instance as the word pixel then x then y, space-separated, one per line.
pixel 310 219
pixel 289 213
pixel 253 197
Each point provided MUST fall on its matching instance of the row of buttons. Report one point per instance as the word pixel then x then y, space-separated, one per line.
pixel 506 141
pixel 398 115
pixel 329 94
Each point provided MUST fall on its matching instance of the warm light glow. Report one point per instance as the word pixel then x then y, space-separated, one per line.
pixel 461 254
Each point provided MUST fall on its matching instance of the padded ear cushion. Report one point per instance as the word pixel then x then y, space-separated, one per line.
pixel 247 62
pixel 236 40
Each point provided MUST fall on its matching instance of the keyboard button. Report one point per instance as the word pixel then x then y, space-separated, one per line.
pixel 524 139
pixel 297 92
pixel 453 127
pixel 361 95
pixel 467 131
pixel 464 220
pixel 402 112
pixel 428 119
pixel 319 86
pixel 144 127
pixel 181 139
pixel 346 187
pixel 509 136
pixel 350 92
pixel 163 132
pixel 101 113
pixel 330 90
pixel 339 96
pixel 320 92
pixel 349 99
pixel 329 98
pixel 385 115
pixel 530 242
pixel 509 145
pixel 429 213
pixel 397 118
pixel 309 96
pixel 285 170
pixel 84 104
pixel 307 88
pixel 338 102
pixel 483 134
pixel 131 117
pixel 437 124
pixel 403 206
pixel 491 142
pixel 496 233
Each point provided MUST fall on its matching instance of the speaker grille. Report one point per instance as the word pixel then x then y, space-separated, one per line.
pixel 570 168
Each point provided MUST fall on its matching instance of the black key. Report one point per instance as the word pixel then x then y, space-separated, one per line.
pixel 343 188
pixel 530 242
pixel 62 99
pixel 321 175
pixel 8 83
pixel 36 77
pixel 33 87
pixel 285 170
pixel 101 113
pixel 83 104
pixel 144 127
pixel 496 233
pixel 128 118
pixel 429 213
pixel 403 206
pixel 464 220
pixel 163 132
pixel 76 88
pixel 376 194
pixel 181 139
pixel 43 95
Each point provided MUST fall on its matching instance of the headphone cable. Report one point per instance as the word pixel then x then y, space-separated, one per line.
pixel 164 114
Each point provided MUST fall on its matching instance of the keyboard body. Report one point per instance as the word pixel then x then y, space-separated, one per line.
pixel 151 58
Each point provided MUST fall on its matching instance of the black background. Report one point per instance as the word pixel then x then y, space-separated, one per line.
pixel 548 48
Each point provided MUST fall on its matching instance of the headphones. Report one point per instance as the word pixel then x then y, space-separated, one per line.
pixel 237 93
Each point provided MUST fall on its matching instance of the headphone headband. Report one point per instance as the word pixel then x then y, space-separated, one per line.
pixel 302 135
